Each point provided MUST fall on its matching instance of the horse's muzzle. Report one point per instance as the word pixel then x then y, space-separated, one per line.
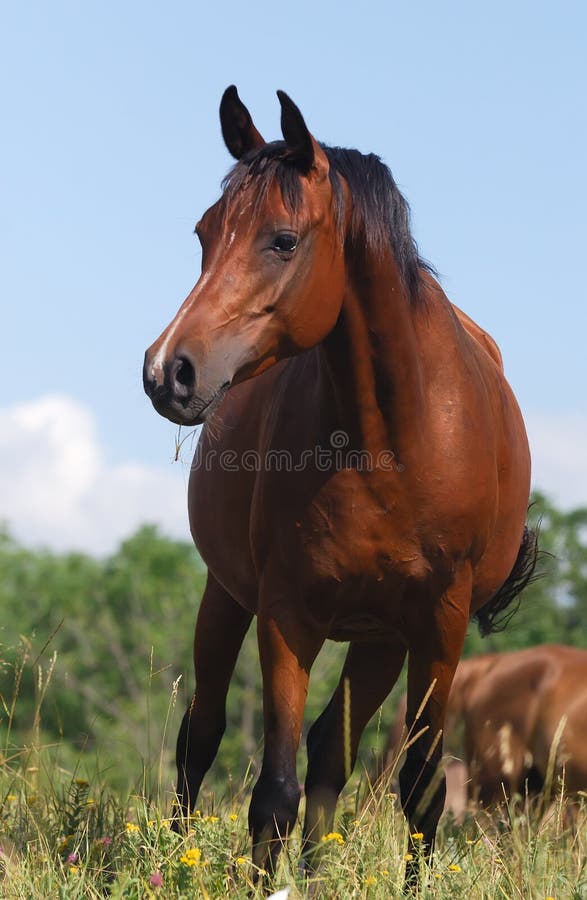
pixel 171 387
pixel 172 391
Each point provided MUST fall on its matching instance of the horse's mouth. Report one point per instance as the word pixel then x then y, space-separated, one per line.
pixel 194 411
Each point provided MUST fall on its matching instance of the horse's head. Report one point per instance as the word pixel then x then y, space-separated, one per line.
pixel 273 274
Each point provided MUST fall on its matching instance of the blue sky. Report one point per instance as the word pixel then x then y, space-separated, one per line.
pixel 112 150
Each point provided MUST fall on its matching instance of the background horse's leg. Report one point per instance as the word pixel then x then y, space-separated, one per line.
pixel 371 671
pixel 220 630
pixel 434 653
pixel 287 649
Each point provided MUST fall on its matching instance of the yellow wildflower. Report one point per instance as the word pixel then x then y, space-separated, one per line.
pixel 418 836
pixel 131 828
pixel 81 782
pixel 191 857
pixel 241 860
pixel 408 857
pixel 384 872
pixel 233 817
pixel 210 818
pixel 370 881
pixel 11 798
pixel 332 836
pixel 454 867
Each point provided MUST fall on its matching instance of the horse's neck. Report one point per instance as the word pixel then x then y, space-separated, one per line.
pixel 373 360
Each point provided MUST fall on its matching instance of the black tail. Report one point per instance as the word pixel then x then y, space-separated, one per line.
pixel 491 617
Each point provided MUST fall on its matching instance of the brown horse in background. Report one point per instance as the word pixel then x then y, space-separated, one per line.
pixel 363 473
pixel 524 719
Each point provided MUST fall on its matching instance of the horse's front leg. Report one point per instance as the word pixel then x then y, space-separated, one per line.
pixel 220 630
pixel 434 651
pixel 369 673
pixel 287 650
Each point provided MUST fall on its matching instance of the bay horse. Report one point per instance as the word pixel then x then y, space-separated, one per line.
pixel 523 712
pixel 363 474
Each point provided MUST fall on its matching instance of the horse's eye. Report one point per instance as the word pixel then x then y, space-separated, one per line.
pixel 285 243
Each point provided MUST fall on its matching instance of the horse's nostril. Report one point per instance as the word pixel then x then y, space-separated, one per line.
pixel 185 373
pixel 183 377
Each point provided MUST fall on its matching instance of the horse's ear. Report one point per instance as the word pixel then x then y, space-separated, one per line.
pixel 305 150
pixel 238 131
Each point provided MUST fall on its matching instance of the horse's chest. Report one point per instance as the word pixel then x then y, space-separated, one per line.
pixel 346 530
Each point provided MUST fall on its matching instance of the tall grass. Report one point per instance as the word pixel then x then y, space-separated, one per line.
pixel 64 832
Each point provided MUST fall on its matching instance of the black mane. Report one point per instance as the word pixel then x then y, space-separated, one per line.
pixel 380 217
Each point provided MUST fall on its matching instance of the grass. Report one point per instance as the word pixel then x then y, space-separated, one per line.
pixel 66 832
pixel 73 838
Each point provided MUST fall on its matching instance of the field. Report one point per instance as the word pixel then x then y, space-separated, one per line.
pixel 68 834
pixel 95 672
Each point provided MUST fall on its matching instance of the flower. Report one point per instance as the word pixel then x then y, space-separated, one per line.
pixel 210 818
pixel 408 857
pixel 106 840
pixel 11 798
pixel 191 857
pixel 332 836
pixel 370 881
pixel 384 872
pixel 454 867
pixel 241 860
pixel 418 836
pixel 233 817
pixel 131 828
pixel 72 858
pixel 156 879
pixel 82 783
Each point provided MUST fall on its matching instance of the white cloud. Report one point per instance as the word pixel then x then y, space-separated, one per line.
pixel 558 442
pixel 57 490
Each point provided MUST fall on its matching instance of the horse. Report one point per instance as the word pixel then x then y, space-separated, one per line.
pixel 384 765
pixel 362 476
pixel 524 720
